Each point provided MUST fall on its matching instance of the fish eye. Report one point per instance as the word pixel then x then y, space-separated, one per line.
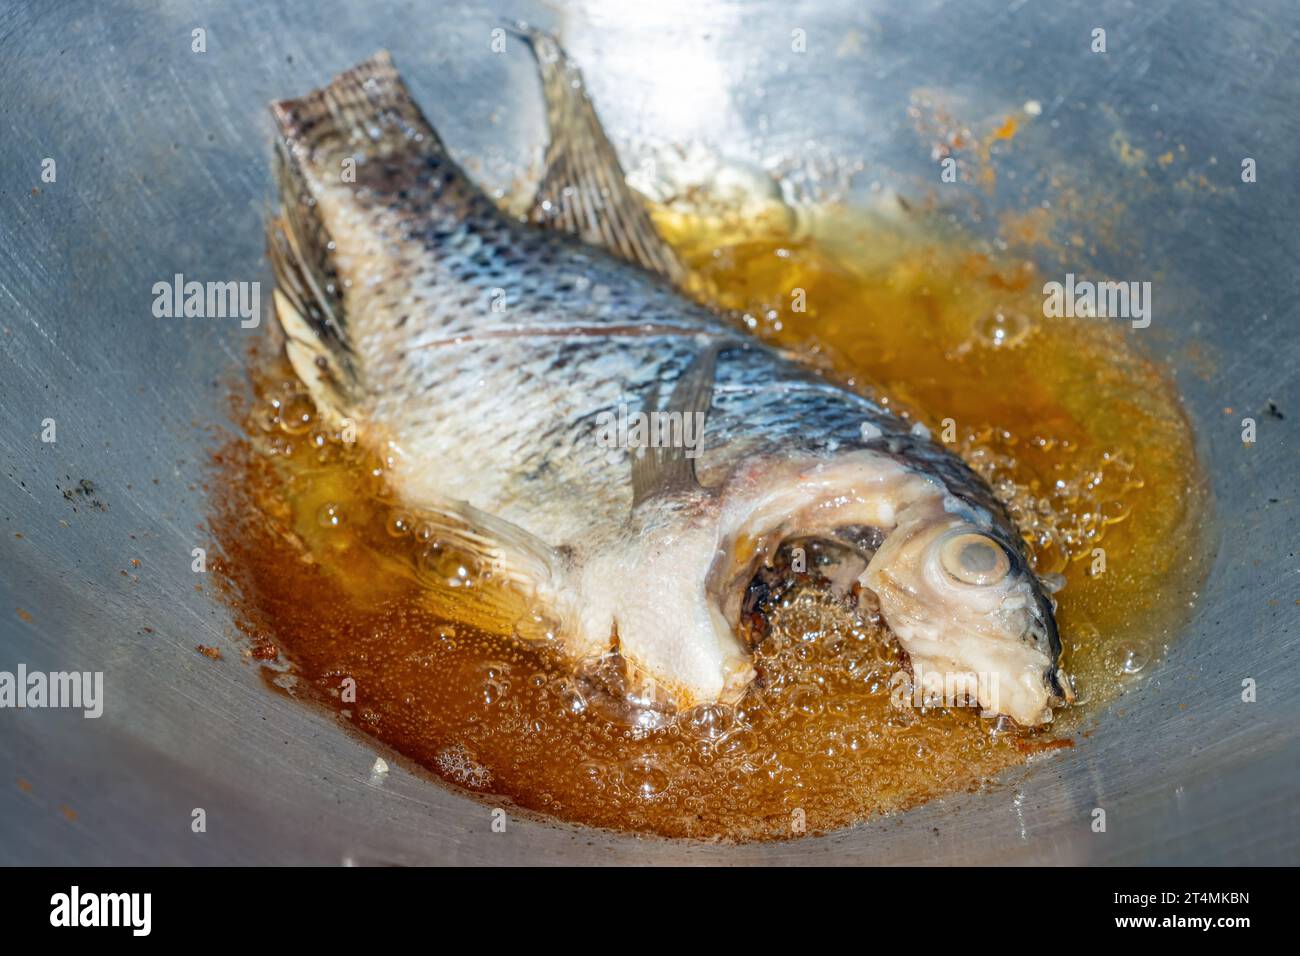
pixel 975 559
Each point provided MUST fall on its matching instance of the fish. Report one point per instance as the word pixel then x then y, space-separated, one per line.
pixel 549 399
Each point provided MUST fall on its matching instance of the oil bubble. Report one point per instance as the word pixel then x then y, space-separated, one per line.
pixel 804 699
pixel 644 779
pixel 1132 659
pixel 330 516
pixel 708 721
pixel 400 524
pixel 737 744
pixel 536 628
pixel 494 691
pixel 496 669
pixel 1003 328
pixel 296 414
pixel 569 696
pixel 1115 511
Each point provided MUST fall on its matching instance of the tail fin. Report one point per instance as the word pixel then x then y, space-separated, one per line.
pixel 363 130
pixel 366 111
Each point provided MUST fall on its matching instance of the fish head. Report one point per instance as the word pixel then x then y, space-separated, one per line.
pixel 970 612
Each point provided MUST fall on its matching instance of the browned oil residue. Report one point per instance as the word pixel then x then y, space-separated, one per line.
pixel 1084 440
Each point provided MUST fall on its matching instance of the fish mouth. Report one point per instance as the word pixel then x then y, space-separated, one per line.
pixel 1043 631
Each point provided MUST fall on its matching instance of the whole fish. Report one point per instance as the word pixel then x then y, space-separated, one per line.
pixel 547 397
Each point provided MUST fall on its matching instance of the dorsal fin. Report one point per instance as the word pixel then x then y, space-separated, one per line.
pixel 584 191
pixel 669 470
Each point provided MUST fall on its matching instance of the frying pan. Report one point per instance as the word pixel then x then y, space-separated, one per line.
pixel 161 158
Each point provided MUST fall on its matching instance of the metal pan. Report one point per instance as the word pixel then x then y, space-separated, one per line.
pixel 161 155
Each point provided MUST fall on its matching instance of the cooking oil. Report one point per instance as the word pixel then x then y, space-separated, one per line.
pixel 415 645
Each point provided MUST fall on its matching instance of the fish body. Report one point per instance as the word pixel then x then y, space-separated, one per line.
pixel 487 358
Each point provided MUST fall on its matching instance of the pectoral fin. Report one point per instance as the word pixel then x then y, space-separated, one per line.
pixel 512 554
pixel 667 470
pixel 485 569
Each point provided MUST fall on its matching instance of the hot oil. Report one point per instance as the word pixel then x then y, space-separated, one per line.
pixel 1083 438
pixel 405 638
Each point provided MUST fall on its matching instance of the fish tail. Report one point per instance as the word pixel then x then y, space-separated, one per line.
pixel 365 113
pixel 360 142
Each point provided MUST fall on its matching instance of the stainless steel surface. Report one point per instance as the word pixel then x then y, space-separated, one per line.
pixel 162 168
